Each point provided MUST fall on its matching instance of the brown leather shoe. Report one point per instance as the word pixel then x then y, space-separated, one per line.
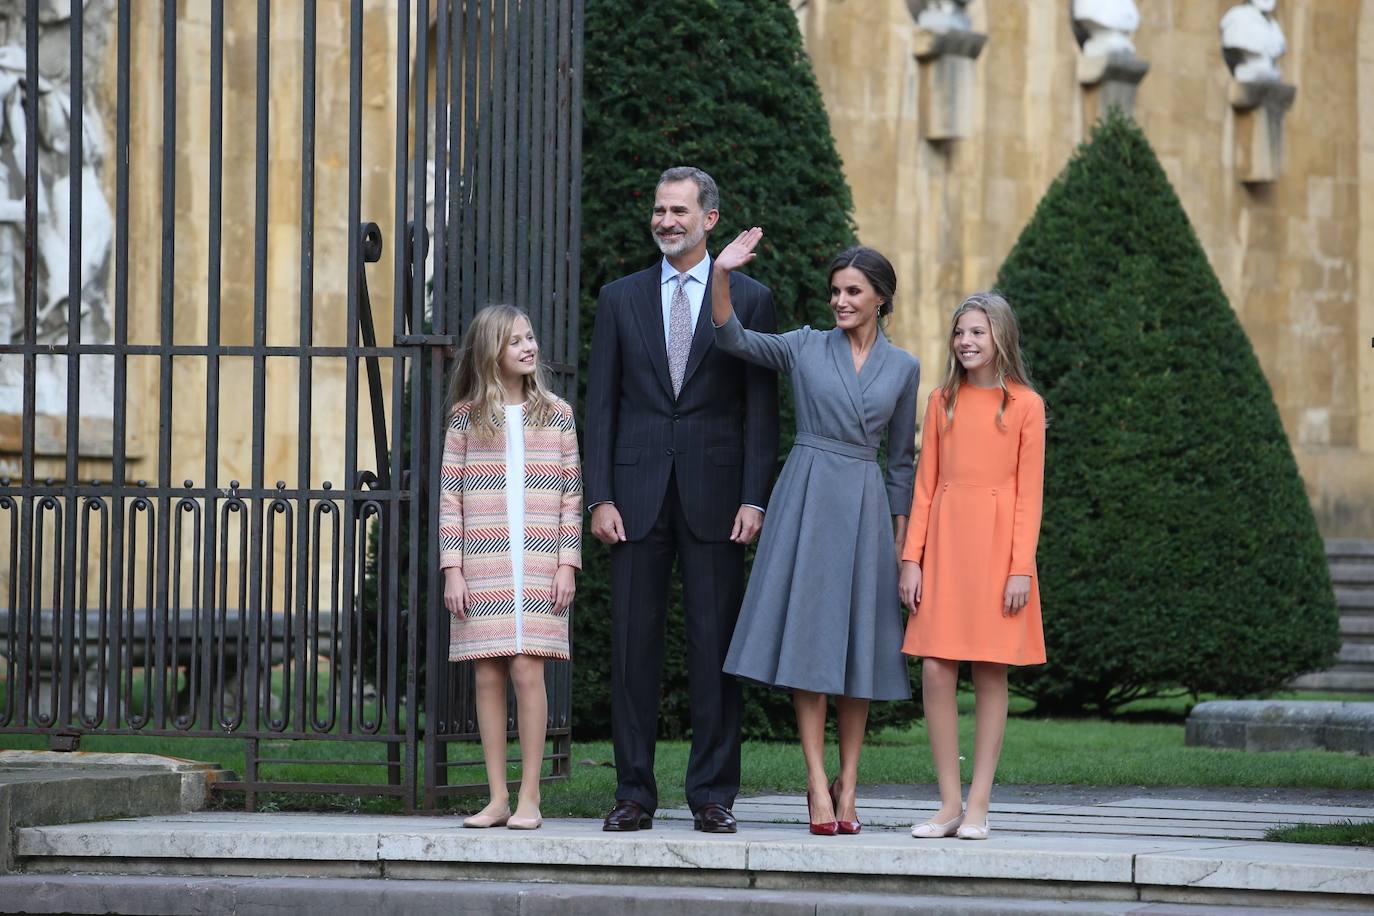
pixel 714 818
pixel 627 816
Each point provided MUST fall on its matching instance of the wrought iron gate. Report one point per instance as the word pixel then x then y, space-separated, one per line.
pixel 303 610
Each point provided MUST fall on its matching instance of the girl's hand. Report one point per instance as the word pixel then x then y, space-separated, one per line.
pixel 455 592
pixel 1016 595
pixel 564 587
pixel 909 585
pixel 740 251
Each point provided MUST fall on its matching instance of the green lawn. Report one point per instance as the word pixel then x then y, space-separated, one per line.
pixel 1144 747
pixel 1348 833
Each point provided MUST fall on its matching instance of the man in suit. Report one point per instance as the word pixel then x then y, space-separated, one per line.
pixel 681 442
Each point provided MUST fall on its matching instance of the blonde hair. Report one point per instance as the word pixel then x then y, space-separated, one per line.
pixel 1006 343
pixel 476 378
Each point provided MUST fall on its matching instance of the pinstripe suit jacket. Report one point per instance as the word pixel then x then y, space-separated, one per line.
pixel 720 435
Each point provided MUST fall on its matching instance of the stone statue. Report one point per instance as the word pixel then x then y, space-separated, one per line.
pixel 941 15
pixel 1252 42
pixel 56 180
pixel 1105 27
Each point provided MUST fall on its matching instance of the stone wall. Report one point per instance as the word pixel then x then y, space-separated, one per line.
pixel 1287 252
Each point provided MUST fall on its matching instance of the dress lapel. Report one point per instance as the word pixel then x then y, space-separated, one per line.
pixel 873 366
pixel 844 368
pixel 647 306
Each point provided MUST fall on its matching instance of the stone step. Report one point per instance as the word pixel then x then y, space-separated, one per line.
pixel 1357 628
pixel 760 858
pixel 1350 548
pixel 1355 599
pixel 157 894
pixel 1337 680
pixel 1356 655
pixel 1352 574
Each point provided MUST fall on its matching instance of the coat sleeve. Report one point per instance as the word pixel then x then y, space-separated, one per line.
pixel 927 475
pixel 773 351
pixel 603 404
pixel 451 470
pixel 570 512
pixel 760 413
pixel 901 445
pixel 1030 489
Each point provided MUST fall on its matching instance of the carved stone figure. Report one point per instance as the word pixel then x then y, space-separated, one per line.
pixel 1252 42
pixel 56 180
pixel 1105 27
pixel 941 15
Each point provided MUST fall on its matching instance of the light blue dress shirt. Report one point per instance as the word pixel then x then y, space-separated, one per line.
pixel 695 288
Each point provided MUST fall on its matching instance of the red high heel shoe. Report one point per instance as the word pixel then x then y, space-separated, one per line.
pixel 825 828
pixel 848 828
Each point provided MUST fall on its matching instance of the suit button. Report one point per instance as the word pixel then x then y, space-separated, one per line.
pixel 668 452
pixel 676 417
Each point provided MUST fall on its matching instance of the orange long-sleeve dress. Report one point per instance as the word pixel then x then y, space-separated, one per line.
pixel 975 520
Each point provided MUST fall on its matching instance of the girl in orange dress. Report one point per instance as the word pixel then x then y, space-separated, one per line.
pixel 968 568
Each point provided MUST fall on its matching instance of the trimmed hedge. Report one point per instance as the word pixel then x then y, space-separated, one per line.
pixel 723 85
pixel 1179 550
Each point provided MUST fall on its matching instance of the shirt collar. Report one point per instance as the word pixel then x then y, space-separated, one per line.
pixel 700 272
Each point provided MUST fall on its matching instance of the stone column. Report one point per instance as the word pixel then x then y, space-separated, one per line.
pixel 1252 41
pixel 945 48
pixel 1259 112
pixel 1109 82
pixel 1108 69
pixel 946 56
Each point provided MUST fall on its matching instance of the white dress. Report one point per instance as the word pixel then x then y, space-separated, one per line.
pixel 515 511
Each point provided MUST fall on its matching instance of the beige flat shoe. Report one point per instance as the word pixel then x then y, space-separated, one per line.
pixel 974 831
pixel 487 820
pixel 524 823
pixel 933 831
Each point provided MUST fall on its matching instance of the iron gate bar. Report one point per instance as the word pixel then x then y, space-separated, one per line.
pixel 306 334
pixel 26 585
pixel 213 354
pixel 175 640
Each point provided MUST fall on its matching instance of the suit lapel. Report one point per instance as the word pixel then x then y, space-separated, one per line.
pixel 647 307
pixel 703 336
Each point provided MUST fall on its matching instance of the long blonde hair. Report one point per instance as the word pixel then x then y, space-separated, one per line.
pixel 477 376
pixel 1006 342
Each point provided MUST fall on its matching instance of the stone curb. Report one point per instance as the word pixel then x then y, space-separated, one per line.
pixel 1282 725
pixel 39 788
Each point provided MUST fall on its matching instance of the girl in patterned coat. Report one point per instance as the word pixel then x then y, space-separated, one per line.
pixel 510 541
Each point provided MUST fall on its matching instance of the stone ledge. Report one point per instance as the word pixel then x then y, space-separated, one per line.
pixel 1282 725
pixel 578 851
pixel 46 787
pixel 379 897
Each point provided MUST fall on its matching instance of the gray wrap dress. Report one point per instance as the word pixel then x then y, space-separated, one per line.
pixel 821 611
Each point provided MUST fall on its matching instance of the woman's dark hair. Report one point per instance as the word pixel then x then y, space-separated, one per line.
pixel 875 268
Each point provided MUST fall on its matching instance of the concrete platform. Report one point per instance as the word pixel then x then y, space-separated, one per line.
pixel 1127 852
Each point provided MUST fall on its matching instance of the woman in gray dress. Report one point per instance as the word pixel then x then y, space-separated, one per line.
pixel 821 615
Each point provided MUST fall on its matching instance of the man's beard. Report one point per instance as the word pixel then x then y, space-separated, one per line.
pixel 676 245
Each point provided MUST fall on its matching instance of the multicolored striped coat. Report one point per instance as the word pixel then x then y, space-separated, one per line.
pixel 474 535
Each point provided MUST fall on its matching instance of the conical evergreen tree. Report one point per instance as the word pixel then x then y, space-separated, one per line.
pixel 1178 549
pixel 723 85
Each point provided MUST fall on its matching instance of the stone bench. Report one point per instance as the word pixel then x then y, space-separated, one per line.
pixel 1282 725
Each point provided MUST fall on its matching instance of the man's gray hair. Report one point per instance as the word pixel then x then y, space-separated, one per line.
pixel 708 196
